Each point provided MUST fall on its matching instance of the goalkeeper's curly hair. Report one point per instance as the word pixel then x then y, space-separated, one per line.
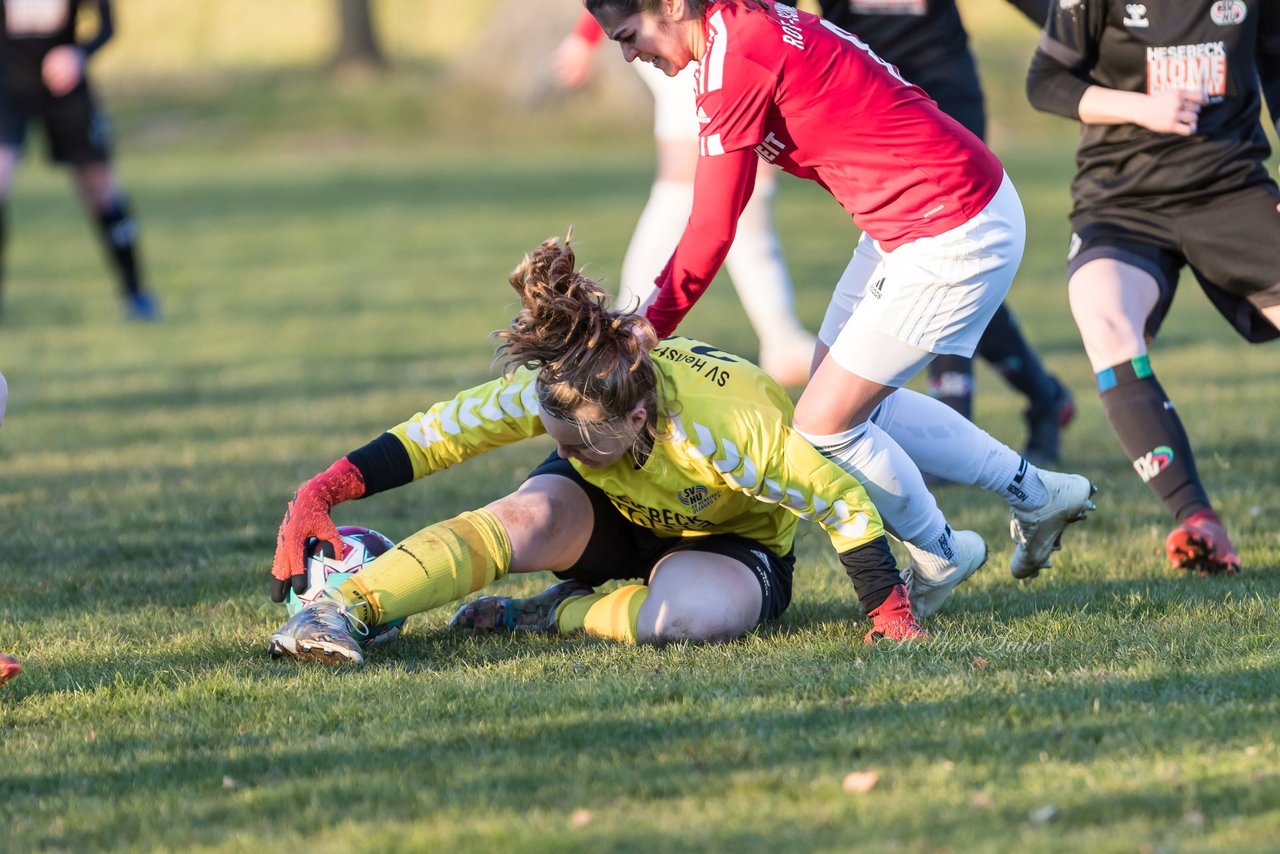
pixel 592 361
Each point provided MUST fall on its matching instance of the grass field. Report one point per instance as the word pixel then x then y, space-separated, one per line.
pixel 331 263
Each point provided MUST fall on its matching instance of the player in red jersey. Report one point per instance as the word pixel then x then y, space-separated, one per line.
pixel 943 233
pixel 755 262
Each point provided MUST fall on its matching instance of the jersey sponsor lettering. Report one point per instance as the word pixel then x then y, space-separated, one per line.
pixel 36 18
pixel 791 33
pixel 916 8
pixel 697 357
pixel 659 518
pixel 770 148
pixel 1188 67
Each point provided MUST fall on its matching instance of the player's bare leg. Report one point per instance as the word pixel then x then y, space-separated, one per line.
pixel 1111 301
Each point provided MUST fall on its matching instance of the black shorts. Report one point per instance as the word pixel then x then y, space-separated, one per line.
pixel 622 550
pixel 76 128
pixel 1230 244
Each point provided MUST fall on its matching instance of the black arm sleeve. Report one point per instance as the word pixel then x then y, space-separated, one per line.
pixel 383 463
pixel 1051 87
pixel 873 571
pixel 106 29
pixel 1061 68
pixel 1035 10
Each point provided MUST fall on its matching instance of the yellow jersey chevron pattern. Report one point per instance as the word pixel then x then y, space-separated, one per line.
pixel 725 458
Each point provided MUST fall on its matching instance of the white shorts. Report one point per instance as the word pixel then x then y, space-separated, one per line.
pixel 892 312
pixel 675 105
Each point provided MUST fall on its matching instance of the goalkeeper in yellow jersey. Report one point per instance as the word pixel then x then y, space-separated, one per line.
pixel 675 466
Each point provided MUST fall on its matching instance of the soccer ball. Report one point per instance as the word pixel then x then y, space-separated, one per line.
pixel 360 547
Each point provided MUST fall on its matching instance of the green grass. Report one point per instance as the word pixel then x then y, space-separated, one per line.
pixel 323 280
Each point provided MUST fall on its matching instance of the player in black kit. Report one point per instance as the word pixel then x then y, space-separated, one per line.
pixel 927 42
pixel 42 77
pixel 1170 173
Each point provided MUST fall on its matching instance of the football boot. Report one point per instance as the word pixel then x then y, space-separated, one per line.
pixel 9 668
pixel 927 594
pixel 1037 534
pixel 503 614
pixel 1200 544
pixel 324 632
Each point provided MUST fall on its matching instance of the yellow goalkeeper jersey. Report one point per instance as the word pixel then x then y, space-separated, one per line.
pixel 725 459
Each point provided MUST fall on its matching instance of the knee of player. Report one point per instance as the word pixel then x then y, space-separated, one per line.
pixel 674 621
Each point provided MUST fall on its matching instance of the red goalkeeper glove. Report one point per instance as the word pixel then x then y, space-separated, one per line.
pixel 307 521
pixel 893 619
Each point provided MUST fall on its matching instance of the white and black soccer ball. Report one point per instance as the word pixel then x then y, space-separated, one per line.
pixel 360 547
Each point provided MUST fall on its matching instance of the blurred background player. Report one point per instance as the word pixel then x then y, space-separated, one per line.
pixel 675 464
pixel 9 666
pixel 755 262
pixel 927 42
pixel 1170 173
pixel 43 78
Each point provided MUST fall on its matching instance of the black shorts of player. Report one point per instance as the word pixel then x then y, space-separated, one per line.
pixel 76 128
pixel 622 550
pixel 1229 242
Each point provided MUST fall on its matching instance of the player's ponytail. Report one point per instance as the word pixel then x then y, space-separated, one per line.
pixel 592 362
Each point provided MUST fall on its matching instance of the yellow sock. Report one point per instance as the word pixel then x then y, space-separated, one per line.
pixel 437 565
pixel 604 615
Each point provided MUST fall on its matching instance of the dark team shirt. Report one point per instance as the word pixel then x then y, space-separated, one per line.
pixel 29 29
pixel 927 41
pixel 924 38
pixel 1227 49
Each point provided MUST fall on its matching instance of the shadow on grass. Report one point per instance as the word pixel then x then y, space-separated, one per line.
pixel 464 738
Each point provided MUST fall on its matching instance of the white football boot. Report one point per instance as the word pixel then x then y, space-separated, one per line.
pixel 927 591
pixel 1037 534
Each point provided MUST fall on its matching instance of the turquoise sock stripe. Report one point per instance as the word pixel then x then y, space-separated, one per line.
pixel 1135 369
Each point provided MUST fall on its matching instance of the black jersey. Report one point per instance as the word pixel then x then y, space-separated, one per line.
pixel 29 29
pixel 923 38
pixel 927 42
pixel 1220 47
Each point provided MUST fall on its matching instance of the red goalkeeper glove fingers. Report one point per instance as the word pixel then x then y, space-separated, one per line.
pixel 893 619
pixel 307 521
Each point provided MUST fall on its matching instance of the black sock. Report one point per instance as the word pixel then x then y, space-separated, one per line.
pixel 1006 349
pixel 120 234
pixel 1151 433
pixel 951 381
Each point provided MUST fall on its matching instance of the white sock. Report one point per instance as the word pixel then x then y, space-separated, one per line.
pixel 657 232
pixel 759 272
pixel 945 444
pixel 893 484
